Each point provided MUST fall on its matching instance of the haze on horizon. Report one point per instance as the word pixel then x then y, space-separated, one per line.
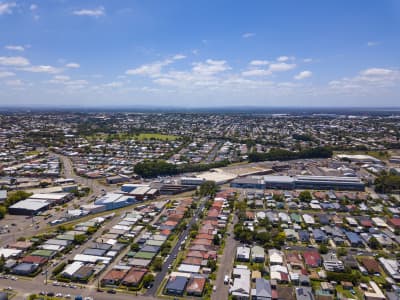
pixel 199 53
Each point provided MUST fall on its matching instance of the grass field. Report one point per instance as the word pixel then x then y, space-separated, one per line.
pixel 156 136
pixel 383 155
pixel 140 136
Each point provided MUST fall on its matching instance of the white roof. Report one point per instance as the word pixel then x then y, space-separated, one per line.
pixel 51 247
pixel 91 258
pixel 48 196
pixel 189 268
pixel 9 252
pixel 72 268
pixel 32 204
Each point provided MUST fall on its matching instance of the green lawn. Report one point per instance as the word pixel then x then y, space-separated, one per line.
pixel 156 136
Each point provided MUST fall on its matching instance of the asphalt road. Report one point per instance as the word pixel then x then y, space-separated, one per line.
pixel 26 287
pixel 161 275
pixel 225 265
pixel 30 226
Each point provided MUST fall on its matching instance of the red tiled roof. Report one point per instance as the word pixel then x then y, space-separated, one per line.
pixel 196 285
pixel 134 276
pixel 114 275
pixel 34 259
pixel 312 258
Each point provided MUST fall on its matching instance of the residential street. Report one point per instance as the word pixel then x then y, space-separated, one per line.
pixel 225 264
pixel 161 275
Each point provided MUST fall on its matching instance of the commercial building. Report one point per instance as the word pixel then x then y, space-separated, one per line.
pixel 114 201
pixel 300 182
pixel 29 207
pixel 192 181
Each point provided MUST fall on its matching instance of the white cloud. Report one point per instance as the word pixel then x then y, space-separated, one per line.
pixel 210 67
pixel 367 81
pixel 33 7
pixel 42 69
pixel 303 75
pixel 248 35
pixel 282 58
pixel 17 61
pixel 7 7
pixel 256 72
pixel 73 65
pixel 281 67
pixel 152 70
pixel 372 44
pixel 308 60
pixel 4 74
pixel 377 72
pixel 15 82
pixel 259 62
pixel 60 79
pixel 79 82
pixel 14 48
pixel 114 84
pixel 97 12
pixel 178 57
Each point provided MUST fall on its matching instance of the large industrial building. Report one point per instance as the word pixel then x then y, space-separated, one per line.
pixel 38 203
pixel 300 182
pixel 29 207
pixel 114 200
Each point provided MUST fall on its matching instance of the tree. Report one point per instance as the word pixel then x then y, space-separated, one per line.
pixel 157 264
pixel 323 249
pixel 147 279
pixel 208 188
pixel 135 247
pixel 2 262
pixel 212 264
pixel 305 196
pixel 216 240
pixel 80 239
pixel 373 243
pixel 3 211
pixel 387 183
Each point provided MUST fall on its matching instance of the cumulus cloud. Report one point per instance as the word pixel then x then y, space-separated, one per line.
pixel 4 74
pixel 372 44
pixel 73 65
pixel 303 75
pixel 15 61
pixel 152 70
pixel 7 7
pixel 210 67
pixel 14 48
pixel 248 35
pixel 114 84
pixel 15 82
pixel 256 72
pixel 281 67
pixel 368 80
pixel 259 62
pixel 96 12
pixel 282 58
pixel 42 69
pixel 178 57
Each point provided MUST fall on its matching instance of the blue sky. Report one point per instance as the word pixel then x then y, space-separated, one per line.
pixel 200 53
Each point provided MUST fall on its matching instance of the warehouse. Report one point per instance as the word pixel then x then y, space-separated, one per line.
pixel 329 183
pixel 29 207
pixel 54 198
pixel 113 201
pixel 300 182
pixel 192 181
